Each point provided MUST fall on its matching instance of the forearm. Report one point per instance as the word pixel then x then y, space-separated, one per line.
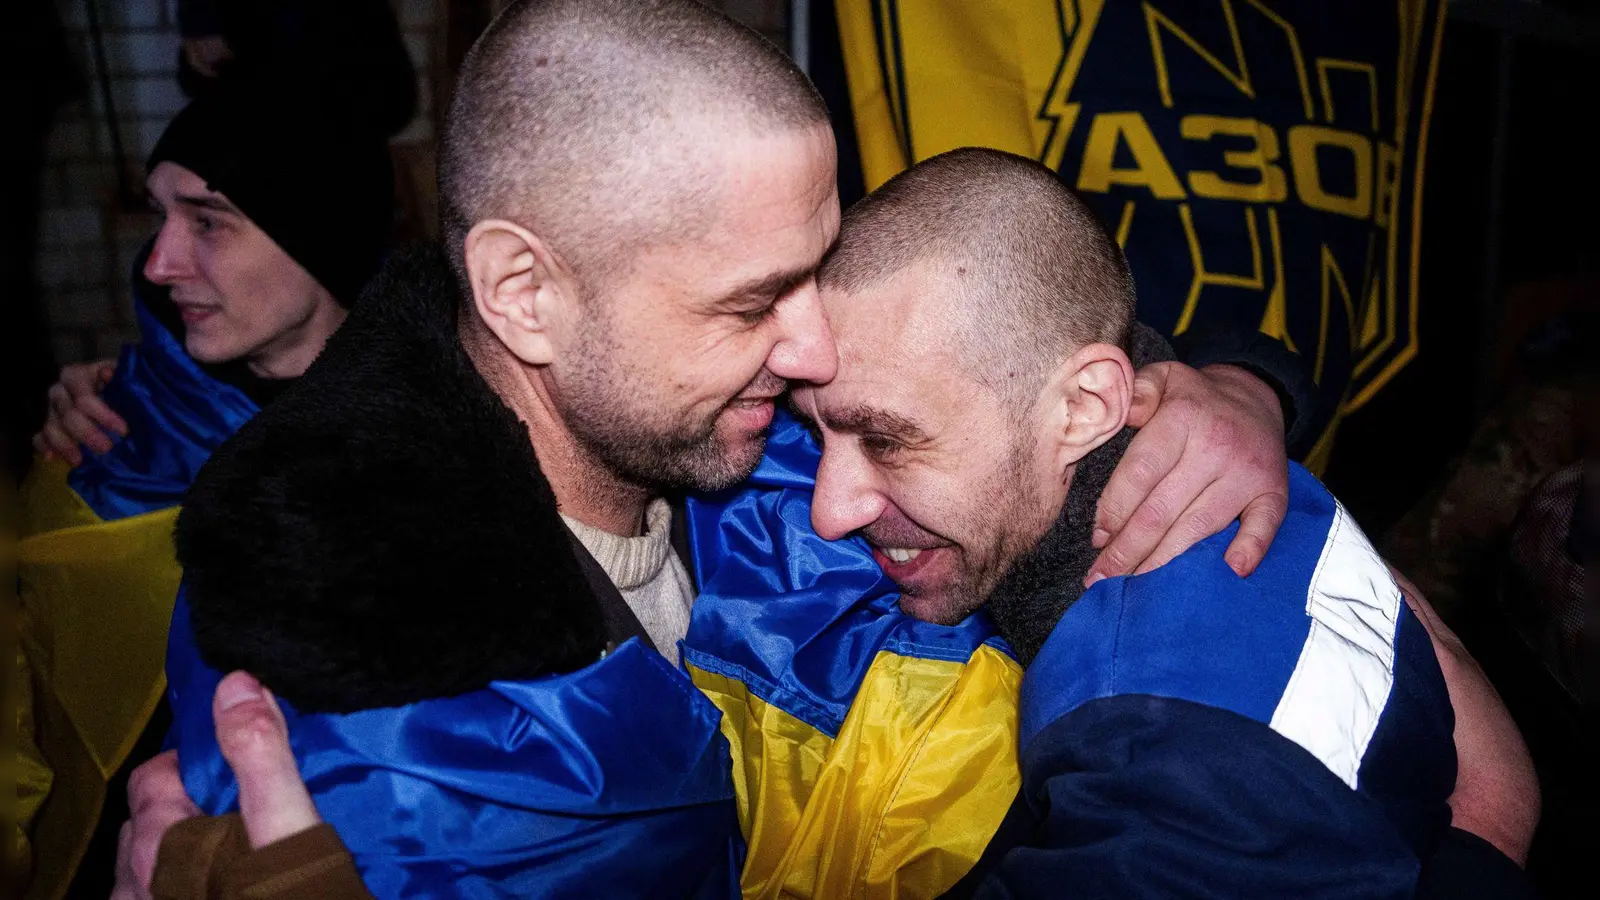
pixel 1284 372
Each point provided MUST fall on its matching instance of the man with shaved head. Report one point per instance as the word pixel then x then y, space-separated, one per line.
pixel 480 459
pixel 1184 732
pixel 979 269
pixel 627 219
pixel 637 197
pixel 603 251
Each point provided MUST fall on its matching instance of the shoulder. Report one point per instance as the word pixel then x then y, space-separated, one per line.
pixel 1307 641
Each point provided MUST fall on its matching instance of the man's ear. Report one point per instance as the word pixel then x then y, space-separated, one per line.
pixel 1089 395
pixel 520 288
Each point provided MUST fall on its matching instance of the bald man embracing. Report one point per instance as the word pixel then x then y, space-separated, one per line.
pixel 453 557
pixel 1183 732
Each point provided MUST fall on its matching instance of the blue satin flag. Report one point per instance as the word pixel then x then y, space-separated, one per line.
pixel 177 416
pixel 753 545
pixel 612 781
pixel 875 754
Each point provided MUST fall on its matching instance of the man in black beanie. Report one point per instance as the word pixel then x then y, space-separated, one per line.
pixel 274 216
pixel 249 271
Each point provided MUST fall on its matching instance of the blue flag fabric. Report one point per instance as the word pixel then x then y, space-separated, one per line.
pixel 754 545
pixel 875 754
pixel 612 781
pixel 177 417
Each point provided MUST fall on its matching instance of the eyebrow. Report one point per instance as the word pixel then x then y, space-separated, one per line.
pixel 860 418
pixel 215 203
pixel 768 286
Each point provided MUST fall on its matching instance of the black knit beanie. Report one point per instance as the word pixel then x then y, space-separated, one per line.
pixel 320 187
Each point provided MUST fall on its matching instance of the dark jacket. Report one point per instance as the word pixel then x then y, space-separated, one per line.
pixel 1190 733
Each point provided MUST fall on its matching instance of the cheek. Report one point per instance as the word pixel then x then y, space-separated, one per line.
pixel 238 281
pixel 723 363
pixel 930 500
pixel 975 509
pixel 1017 514
pixel 259 292
pixel 211 262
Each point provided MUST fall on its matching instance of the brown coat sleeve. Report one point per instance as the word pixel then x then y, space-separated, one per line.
pixel 208 858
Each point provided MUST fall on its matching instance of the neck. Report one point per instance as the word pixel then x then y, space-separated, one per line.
pixel 294 352
pixel 1044 582
pixel 585 488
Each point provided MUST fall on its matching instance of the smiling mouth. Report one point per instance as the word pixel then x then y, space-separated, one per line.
pixel 906 565
pixel 192 314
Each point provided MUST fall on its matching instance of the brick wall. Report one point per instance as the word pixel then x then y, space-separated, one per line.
pixel 88 239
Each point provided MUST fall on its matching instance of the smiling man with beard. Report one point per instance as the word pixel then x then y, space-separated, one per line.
pixel 1183 732
pixel 447 550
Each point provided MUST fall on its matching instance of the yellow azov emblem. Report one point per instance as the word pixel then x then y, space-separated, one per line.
pixel 1260 162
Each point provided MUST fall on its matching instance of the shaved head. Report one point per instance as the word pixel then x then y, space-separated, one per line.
pixel 1032 272
pixel 981 314
pixel 637 195
pixel 585 121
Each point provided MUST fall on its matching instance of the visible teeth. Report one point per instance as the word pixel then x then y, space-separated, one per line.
pixel 900 554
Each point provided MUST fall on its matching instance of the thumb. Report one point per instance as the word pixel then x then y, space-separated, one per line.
pixel 1149 384
pixel 254 737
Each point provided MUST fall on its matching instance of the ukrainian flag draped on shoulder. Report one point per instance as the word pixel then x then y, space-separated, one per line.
pixel 611 781
pixel 1261 162
pixel 98 576
pixel 874 754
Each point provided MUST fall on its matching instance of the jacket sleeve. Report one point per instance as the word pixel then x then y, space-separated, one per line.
pixel 1467 867
pixel 210 857
pixel 1140 796
pixel 1285 371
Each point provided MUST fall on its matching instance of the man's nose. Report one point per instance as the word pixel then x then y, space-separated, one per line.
pixel 846 498
pixel 172 257
pixel 805 352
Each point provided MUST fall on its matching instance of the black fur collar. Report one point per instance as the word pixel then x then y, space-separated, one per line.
pixel 1045 582
pixel 382 533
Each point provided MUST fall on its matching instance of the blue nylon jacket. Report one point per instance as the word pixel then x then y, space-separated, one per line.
pixel 1190 733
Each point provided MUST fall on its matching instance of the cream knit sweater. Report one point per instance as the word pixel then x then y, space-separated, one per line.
pixel 648 574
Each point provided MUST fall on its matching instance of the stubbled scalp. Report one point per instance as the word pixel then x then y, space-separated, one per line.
pixel 580 119
pixel 1035 275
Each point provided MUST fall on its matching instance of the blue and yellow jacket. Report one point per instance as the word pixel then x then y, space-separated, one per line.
pixel 871 754
pixel 98 576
